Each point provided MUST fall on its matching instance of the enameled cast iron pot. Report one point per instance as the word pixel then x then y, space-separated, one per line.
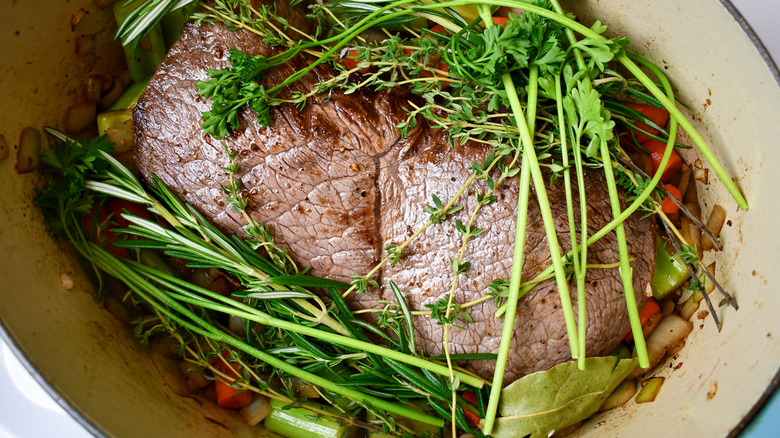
pixel 98 371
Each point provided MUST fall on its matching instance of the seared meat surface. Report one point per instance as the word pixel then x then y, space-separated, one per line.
pixel 337 183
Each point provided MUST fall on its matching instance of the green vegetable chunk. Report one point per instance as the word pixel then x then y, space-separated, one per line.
pixel 670 271
pixel 143 58
pixel 173 22
pixel 130 95
pixel 300 422
pixel 650 390
pixel 540 403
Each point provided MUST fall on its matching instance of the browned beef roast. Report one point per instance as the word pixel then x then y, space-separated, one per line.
pixel 337 183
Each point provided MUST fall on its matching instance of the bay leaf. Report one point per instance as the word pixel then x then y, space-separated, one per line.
pixel 543 402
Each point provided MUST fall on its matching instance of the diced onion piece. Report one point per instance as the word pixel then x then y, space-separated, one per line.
pixel 106 80
pixel 709 285
pixel 714 224
pixel 304 389
pixel 3 148
pixel 237 325
pixel 80 116
pixel 690 231
pixel 692 193
pixel 651 324
pixel 195 378
pixel 622 394
pixel 29 154
pixel 700 173
pixel 667 306
pixel 76 18
pixel 650 389
pixel 689 307
pixel 685 179
pixel 66 281
pixel 171 373
pixel 85 43
pixel 118 85
pixel 256 411
pixel 93 88
pixel 669 331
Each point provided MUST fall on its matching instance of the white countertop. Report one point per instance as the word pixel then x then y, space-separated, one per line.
pixel 27 411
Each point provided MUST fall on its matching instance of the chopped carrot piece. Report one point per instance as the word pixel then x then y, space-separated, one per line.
pixel 651 308
pixel 657 149
pixel 228 396
pixel 472 417
pixel 658 115
pixel 350 61
pixel 667 205
pixel 470 397
pixel 441 30
pixel 500 20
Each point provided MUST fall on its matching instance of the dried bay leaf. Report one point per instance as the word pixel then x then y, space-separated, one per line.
pixel 543 402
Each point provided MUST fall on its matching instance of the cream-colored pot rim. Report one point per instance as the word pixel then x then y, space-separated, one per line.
pixel 120 347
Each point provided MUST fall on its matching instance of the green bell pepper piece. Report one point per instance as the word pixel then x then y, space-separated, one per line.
pixel 670 271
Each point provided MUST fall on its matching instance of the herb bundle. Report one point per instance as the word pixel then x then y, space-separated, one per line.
pixel 542 89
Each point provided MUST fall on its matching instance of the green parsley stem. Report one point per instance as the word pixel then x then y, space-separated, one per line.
pixel 524 186
pixel 626 271
pixel 544 206
pixel 580 264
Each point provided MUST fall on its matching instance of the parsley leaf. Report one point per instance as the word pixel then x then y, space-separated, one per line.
pixel 231 89
pixel 69 164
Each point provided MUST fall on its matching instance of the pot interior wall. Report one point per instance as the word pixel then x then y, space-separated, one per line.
pixel 92 360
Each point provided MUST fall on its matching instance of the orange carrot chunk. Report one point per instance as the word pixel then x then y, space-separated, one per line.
pixel 651 308
pixel 657 149
pixel 667 205
pixel 350 61
pixel 470 397
pixel 658 115
pixel 227 396
pixel 500 20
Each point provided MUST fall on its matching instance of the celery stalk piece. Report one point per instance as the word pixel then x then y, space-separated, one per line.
pixel 142 60
pixel 650 389
pixel 108 119
pixel 130 95
pixel 300 422
pixel 173 22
